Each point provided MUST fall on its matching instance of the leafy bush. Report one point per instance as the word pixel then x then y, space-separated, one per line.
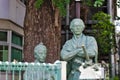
pixel 116 78
pixel 104 32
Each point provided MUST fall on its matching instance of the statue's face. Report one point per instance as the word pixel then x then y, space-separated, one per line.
pixel 41 55
pixel 77 28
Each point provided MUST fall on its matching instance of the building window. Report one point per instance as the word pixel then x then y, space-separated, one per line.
pixel 11 43
pixel 3 53
pixel 16 54
pixel 16 50
pixel 17 39
pixel 3 36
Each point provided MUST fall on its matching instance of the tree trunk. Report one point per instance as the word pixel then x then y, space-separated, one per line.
pixel 42 25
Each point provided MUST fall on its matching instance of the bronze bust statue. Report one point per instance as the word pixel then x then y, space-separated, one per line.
pixel 74 50
pixel 37 73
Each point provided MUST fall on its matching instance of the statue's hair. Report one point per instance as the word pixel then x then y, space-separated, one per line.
pixel 77 20
pixel 38 47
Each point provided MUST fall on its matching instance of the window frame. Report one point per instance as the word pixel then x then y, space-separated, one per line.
pixel 10 44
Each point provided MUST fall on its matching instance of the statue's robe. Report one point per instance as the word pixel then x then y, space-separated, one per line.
pixel 90 45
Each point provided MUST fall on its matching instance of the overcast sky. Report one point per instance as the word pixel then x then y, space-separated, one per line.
pixel 117 23
pixel 118 12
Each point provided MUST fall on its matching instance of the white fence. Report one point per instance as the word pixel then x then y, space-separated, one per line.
pixel 22 71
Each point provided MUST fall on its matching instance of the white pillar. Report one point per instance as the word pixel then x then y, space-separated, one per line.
pixel 63 70
pixel 9 37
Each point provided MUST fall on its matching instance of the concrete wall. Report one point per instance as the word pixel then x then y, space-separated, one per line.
pixel 7 25
pixel 13 10
pixel 4 9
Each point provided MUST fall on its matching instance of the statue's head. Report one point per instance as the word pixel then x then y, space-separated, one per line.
pixel 77 26
pixel 40 52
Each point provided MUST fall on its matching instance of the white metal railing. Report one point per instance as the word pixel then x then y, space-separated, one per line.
pixel 24 71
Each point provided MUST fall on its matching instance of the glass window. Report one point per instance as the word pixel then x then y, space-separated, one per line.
pixel 16 54
pixel 3 36
pixel 16 39
pixel 3 53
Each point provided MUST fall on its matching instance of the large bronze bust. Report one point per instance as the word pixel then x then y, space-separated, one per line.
pixel 74 50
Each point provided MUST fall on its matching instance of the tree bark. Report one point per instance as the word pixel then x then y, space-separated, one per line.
pixel 42 25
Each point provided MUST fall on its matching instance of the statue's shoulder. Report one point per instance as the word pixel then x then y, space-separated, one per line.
pixel 68 41
pixel 90 38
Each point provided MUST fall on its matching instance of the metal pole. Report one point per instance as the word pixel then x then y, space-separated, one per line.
pixel 9 46
pixel 67 22
pixel 112 61
pixel 119 58
pixel 110 9
pixel 77 8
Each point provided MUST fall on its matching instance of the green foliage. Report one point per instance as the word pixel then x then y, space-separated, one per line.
pixel 104 32
pixel 98 3
pixel 88 2
pixel 60 4
pixel 38 3
pixel 116 78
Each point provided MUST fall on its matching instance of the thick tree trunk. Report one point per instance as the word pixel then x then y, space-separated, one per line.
pixel 42 25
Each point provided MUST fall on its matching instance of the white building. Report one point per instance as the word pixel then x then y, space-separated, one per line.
pixel 12 13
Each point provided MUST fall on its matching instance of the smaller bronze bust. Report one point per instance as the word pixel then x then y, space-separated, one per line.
pixel 38 73
pixel 40 52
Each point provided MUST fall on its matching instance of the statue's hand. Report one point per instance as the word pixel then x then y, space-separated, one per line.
pixel 80 52
pixel 87 63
